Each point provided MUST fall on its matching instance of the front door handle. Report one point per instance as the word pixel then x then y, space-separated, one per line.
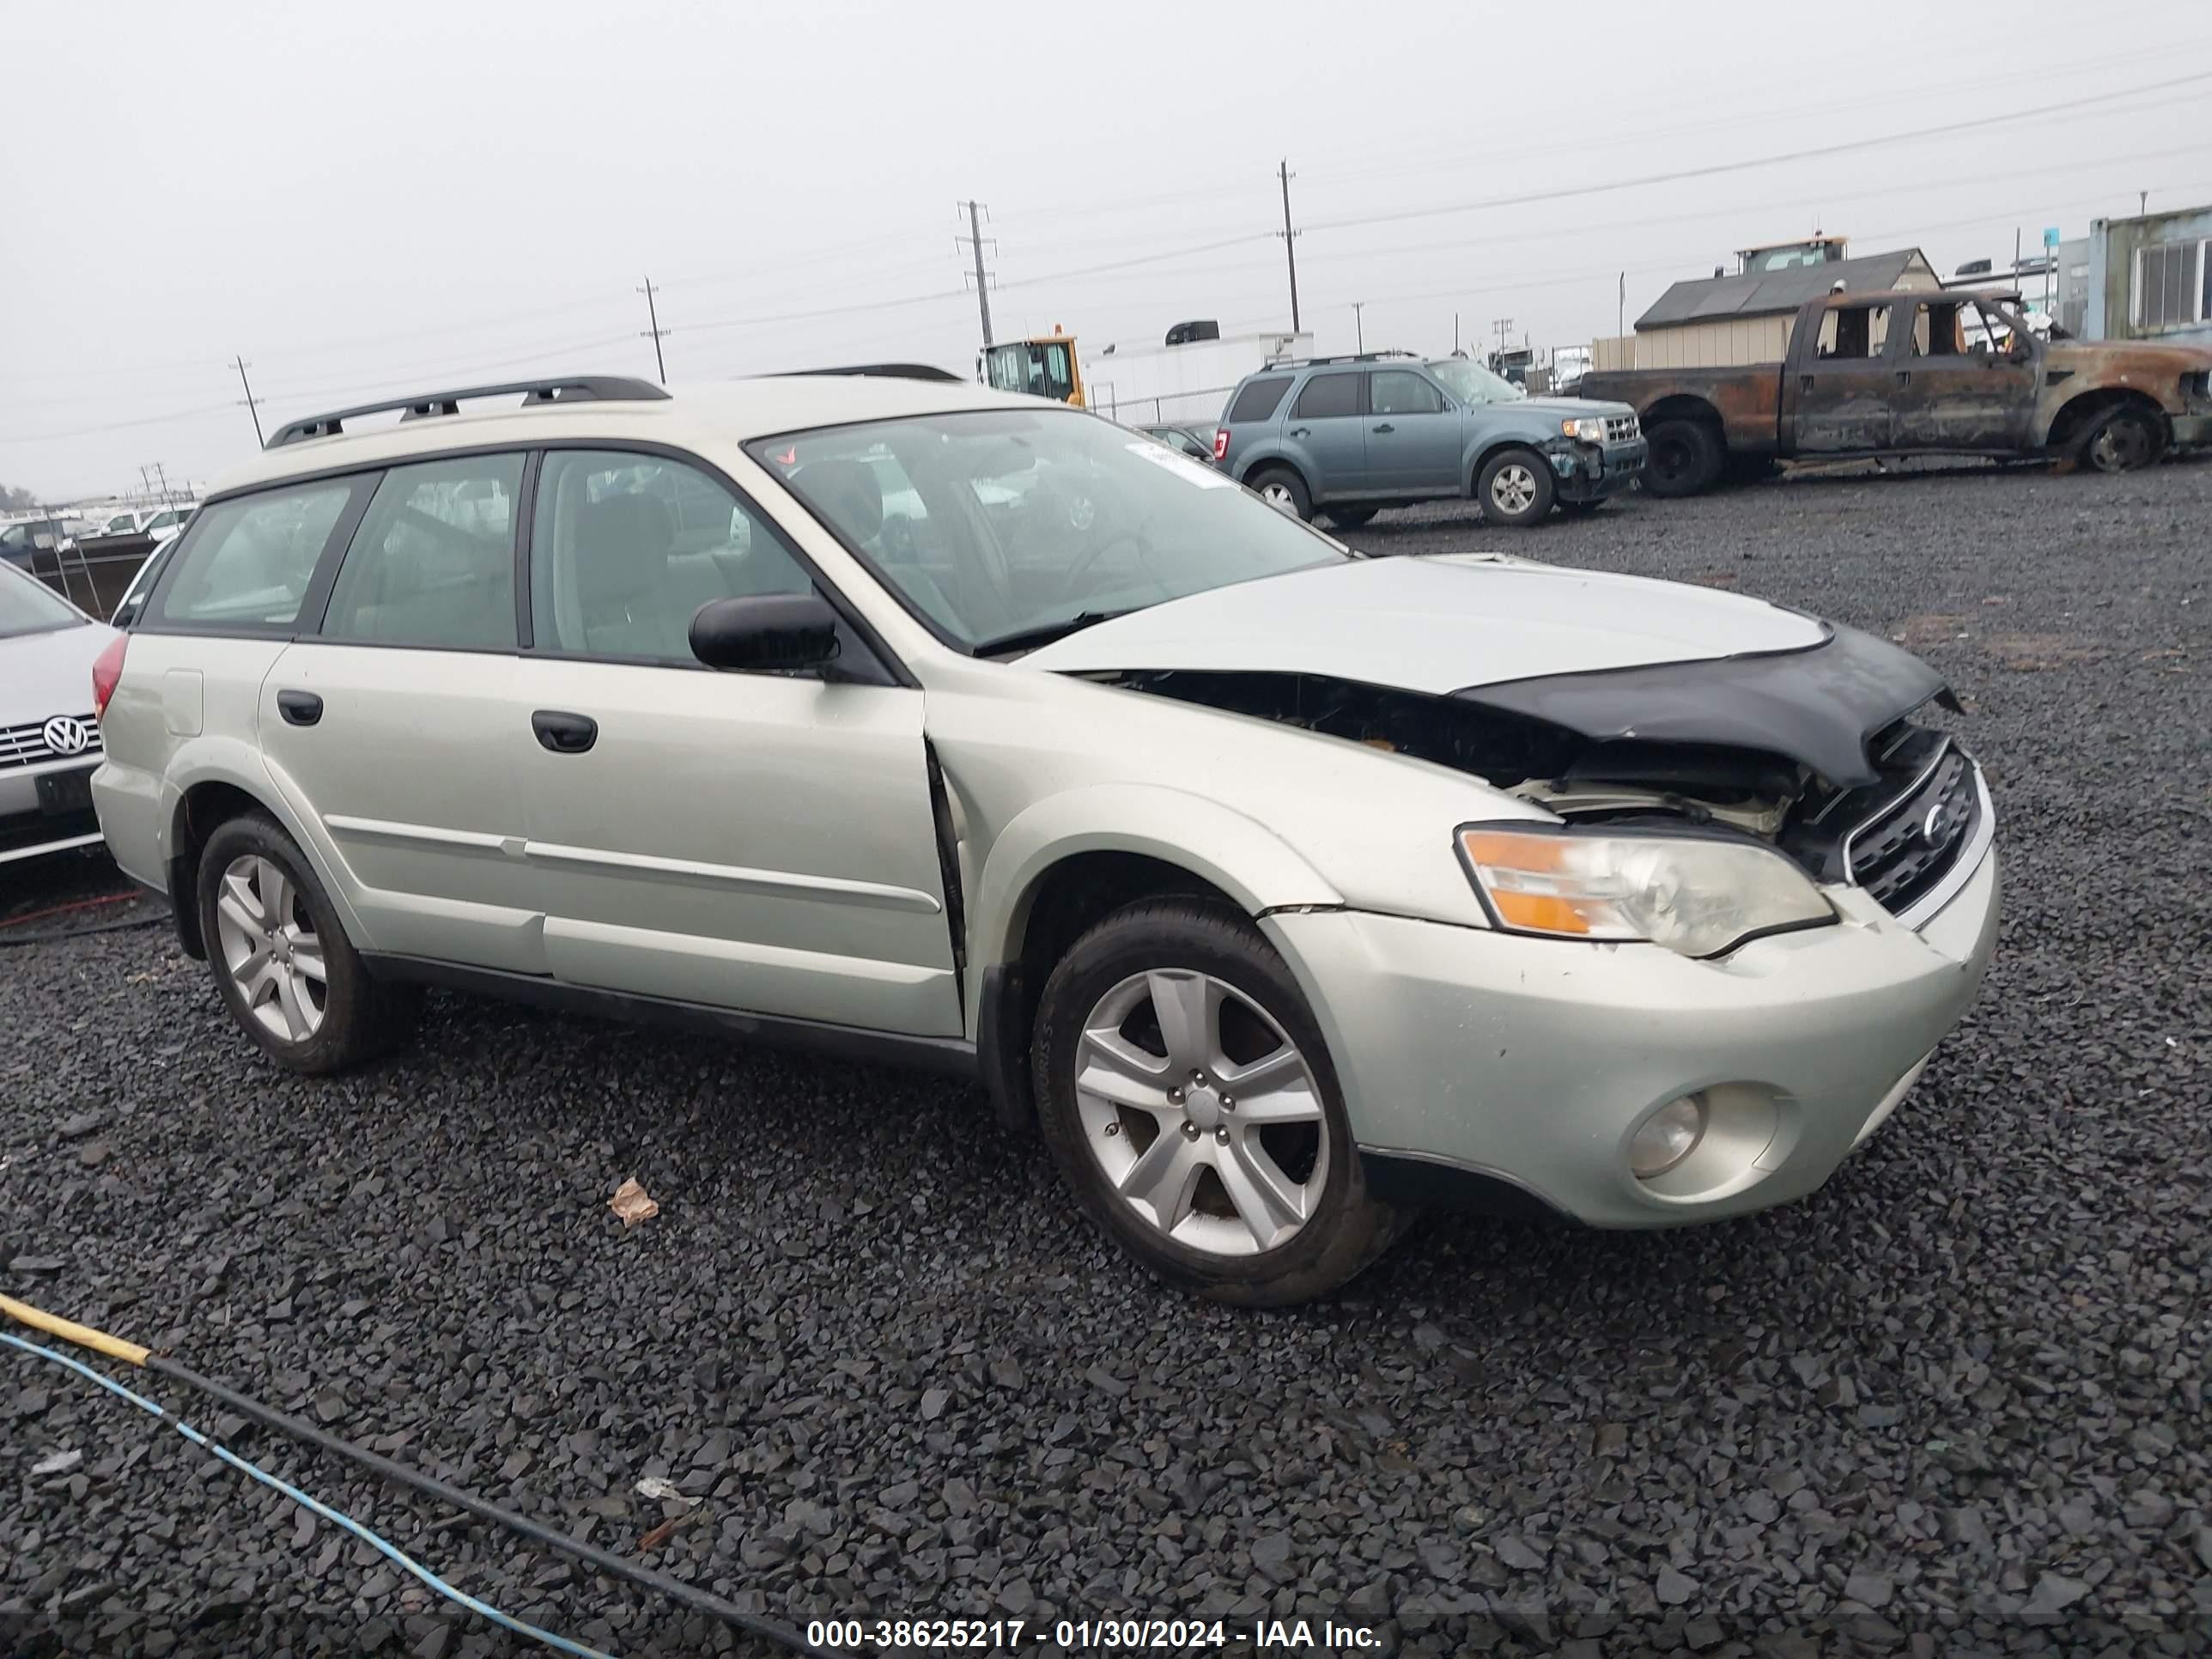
pixel 1804 383
pixel 1905 377
pixel 1386 427
pixel 564 733
pixel 299 708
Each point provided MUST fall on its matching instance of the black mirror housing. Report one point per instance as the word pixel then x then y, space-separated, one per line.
pixel 766 631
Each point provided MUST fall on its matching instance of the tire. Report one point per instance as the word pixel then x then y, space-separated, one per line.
pixel 1281 487
pixel 249 868
pixel 2125 438
pixel 1350 518
pixel 1515 487
pixel 1685 458
pixel 1321 1229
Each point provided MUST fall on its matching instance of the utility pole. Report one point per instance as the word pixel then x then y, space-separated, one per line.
pixel 1620 308
pixel 1455 334
pixel 252 402
pixel 2142 202
pixel 976 238
pixel 1359 324
pixel 162 473
pixel 1290 254
pixel 655 333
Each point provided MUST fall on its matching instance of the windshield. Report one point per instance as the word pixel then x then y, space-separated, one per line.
pixel 1471 382
pixel 28 606
pixel 997 525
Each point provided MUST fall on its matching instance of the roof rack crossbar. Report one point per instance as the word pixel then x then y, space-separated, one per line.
pixel 888 371
pixel 576 388
pixel 1347 357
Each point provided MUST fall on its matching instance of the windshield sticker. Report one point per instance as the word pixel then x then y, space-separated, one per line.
pixel 1180 464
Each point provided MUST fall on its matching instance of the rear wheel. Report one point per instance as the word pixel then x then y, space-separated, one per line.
pixel 1350 518
pixel 1188 1098
pixel 2123 438
pixel 1685 458
pixel 1286 491
pixel 1515 487
pixel 283 963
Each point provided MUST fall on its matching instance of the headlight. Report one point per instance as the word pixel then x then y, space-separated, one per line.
pixel 1590 429
pixel 1694 895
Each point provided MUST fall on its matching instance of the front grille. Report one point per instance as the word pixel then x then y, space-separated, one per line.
pixel 1619 428
pixel 1904 850
pixel 27 745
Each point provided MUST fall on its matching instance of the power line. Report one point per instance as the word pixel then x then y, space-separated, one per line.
pixel 1779 158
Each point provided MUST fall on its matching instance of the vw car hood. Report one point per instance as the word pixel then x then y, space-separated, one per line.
pixel 42 675
pixel 1613 658
pixel 1434 624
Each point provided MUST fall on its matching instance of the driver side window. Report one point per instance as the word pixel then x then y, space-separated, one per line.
pixel 433 563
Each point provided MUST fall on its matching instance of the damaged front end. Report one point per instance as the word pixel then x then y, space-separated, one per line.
pixel 1812 752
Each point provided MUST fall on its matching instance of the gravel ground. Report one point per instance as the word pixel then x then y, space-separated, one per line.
pixel 1954 1403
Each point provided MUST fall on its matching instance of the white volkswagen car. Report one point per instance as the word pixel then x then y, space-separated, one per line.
pixel 49 738
pixel 1282 889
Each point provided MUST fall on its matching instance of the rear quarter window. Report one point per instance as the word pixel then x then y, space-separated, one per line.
pixel 1260 399
pixel 246 562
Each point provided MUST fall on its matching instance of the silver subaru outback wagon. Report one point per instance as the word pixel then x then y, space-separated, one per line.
pixel 1282 890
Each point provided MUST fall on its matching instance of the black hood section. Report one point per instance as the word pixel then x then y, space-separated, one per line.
pixel 1817 707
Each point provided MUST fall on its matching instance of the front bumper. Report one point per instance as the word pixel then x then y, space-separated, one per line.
pixel 1525 1064
pixel 46 809
pixel 2192 431
pixel 1591 472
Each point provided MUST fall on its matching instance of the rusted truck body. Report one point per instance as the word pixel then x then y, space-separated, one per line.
pixel 1898 373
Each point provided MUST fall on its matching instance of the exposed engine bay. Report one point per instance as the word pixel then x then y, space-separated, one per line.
pixel 1624 778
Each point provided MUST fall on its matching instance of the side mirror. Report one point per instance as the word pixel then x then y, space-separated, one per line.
pixel 766 631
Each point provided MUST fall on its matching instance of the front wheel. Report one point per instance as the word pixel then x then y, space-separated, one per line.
pixel 287 972
pixel 1285 491
pixel 2123 438
pixel 1515 487
pixel 1188 1100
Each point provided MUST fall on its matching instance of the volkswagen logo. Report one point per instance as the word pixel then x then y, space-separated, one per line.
pixel 65 734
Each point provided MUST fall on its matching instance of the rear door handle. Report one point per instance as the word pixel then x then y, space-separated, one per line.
pixel 1905 377
pixel 564 733
pixel 1386 427
pixel 1300 432
pixel 299 708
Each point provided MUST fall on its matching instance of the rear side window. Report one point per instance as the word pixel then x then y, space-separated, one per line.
pixel 433 563
pixel 247 562
pixel 1260 399
pixel 1328 394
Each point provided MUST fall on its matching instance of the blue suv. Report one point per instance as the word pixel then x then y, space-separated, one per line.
pixel 1348 436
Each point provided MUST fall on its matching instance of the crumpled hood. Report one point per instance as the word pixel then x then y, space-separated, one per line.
pixel 42 675
pixel 1434 625
pixel 1567 408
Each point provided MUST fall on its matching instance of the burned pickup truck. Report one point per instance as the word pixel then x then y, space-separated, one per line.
pixel 1900 373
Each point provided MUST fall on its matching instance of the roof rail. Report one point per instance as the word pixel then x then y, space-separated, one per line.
pixel 579 388
pixel 1348 357
pixel 888 371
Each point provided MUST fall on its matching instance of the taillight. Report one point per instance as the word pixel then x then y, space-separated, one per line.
pixel 106 670
pixel 1221 443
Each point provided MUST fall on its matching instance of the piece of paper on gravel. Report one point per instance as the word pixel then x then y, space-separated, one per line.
pixel 667 1491
pixel 633 1203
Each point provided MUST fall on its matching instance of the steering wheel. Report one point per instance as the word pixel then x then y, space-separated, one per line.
pixel 1091 556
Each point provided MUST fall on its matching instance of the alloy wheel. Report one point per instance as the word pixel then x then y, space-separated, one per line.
pixel 1201 1112
pixel 1513 490
pixel 1277 496
pixel 270 950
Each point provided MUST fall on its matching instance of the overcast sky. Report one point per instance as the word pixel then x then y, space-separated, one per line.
pixel 378 198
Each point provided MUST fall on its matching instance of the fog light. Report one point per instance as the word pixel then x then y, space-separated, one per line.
pixel 1667 1136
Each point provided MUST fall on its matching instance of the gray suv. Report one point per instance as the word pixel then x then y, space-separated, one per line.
pixel 1348 436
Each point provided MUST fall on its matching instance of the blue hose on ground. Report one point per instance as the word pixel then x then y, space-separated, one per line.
pixel 390 1551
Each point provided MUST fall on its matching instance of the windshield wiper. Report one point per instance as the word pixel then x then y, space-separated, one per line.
pixel 1030 639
